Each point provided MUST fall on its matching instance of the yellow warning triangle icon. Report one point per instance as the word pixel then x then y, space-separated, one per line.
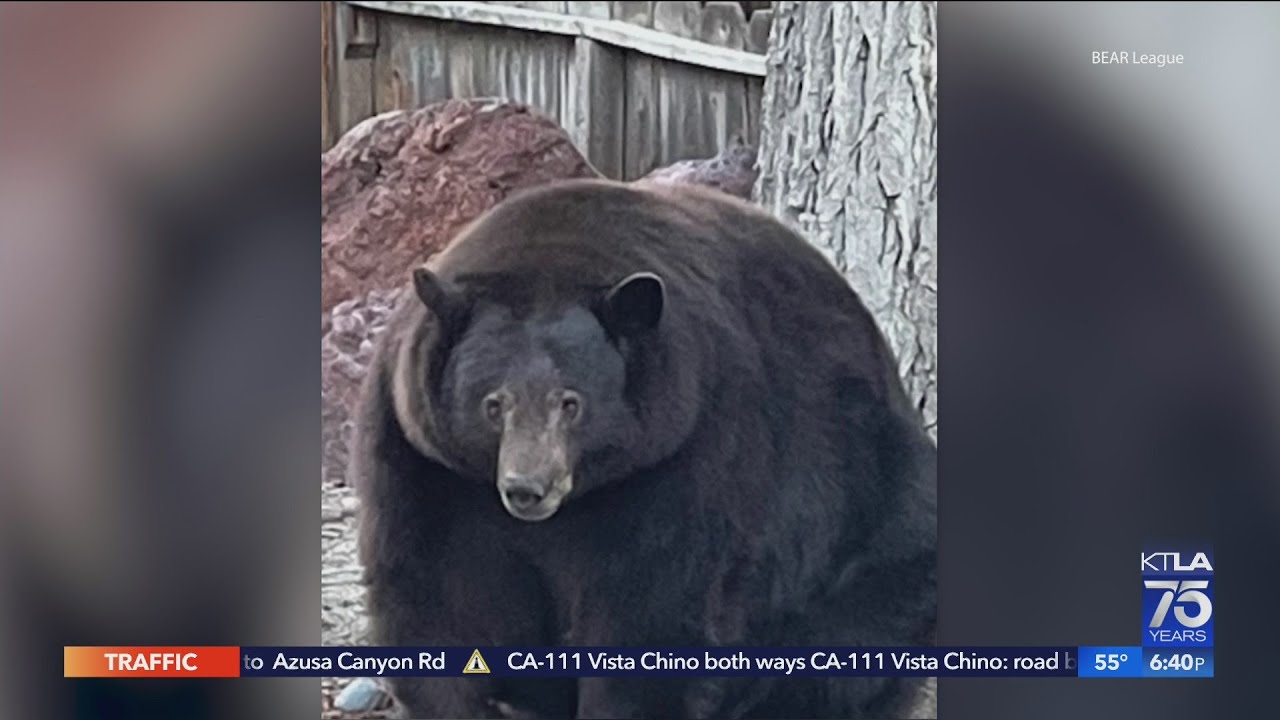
pixel 476 665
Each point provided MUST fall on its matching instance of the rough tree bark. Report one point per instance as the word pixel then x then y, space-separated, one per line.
pixel 848 155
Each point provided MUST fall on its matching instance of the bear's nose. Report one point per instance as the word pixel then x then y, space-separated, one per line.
pixel 522 493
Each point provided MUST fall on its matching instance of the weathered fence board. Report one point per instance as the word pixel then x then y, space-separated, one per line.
pixel 636 13
pixel 758 31
pixel 353 75
pixel 601 10
pixel 327 129
pixel 678 18
pixel 544 6
pixel 596 118
pixel 419 63
pixel 633 98
pixel 642 136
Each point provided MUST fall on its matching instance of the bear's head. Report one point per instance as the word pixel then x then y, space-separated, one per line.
pixel 533 395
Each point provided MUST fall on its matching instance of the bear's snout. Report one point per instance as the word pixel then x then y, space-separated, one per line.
pixel 533 498
pixel 521 493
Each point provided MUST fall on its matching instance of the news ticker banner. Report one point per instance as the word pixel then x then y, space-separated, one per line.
pixel 1177 641
pixel 234 662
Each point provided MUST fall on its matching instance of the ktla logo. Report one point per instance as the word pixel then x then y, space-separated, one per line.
pixel 1179 595
pixel 1186 591
pixel 1171 562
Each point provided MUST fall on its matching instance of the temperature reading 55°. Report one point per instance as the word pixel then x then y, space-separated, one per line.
pixel 1109 661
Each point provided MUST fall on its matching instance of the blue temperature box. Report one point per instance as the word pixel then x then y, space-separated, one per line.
pixel 1118 662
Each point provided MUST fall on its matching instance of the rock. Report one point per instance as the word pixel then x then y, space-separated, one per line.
pixel 397 187
pixel 732 171
pixel 346 351
pixel 362 695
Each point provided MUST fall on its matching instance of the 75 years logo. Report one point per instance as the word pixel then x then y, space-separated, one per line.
pixel 1177 598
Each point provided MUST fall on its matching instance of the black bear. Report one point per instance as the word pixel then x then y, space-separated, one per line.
pixel 613 415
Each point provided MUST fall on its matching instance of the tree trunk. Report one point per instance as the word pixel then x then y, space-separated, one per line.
pixel 848 156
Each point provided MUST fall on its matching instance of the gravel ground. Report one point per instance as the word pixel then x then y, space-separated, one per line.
pixel 342 613
pixel 346 350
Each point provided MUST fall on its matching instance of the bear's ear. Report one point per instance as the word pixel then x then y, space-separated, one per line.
pixel 634 304
pixel 438 295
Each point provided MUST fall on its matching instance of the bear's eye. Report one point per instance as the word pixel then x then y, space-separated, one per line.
pixel 571 405
pixel 492 406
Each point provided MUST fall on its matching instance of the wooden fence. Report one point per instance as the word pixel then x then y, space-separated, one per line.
pixel 637 85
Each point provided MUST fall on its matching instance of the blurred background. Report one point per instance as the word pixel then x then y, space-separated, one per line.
pixel 159 428
pixel 1110 274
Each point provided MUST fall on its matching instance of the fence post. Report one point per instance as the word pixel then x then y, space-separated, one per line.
pixel 354 38
pixel 595 119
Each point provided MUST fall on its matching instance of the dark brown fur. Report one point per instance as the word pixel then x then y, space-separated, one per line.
pixel 774 488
